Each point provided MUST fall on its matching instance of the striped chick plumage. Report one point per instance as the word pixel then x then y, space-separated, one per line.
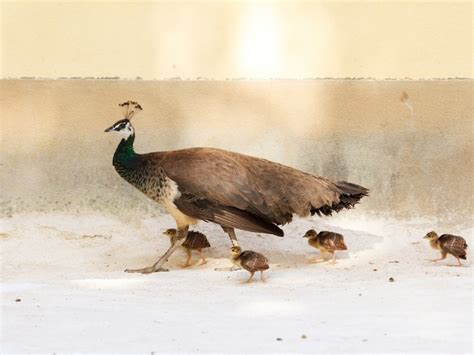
pixel 448 244
pixel 249 260
pixel 194 241
pixel 326 241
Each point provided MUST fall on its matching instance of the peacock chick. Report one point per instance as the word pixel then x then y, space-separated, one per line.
pixel 448 244
pixel 249 260
pixel 326 242
pixel 194 241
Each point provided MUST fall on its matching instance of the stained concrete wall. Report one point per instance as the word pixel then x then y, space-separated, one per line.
pixel 410 142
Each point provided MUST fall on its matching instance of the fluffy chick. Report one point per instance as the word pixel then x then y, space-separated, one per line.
pixel 249 260
pixel 326 242
pixel 194 241
pixel 448 244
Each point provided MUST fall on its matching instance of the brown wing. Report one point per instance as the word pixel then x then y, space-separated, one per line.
pixel 253 261
pixel 224 215
pixel 196 240
pixel 270 191
pixel 339 241
pixel 453 244
pixel 331 241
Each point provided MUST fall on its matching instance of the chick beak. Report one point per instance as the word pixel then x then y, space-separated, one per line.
pixel 109 129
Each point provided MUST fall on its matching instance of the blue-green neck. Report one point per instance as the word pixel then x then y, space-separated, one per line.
pixel 125 155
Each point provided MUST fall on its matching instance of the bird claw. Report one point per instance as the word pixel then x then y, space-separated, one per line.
pixel 246 281
pixel 230 268
pixel 147 270
pixel 316 261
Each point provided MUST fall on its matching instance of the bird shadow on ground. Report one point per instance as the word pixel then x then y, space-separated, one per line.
pixel 291 249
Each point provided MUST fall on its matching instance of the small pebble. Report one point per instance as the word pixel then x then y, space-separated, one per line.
pixel 391 279
pixel 375 269
pixel 18 300
pixel 279 339
pixel 364 340
pixel 303 336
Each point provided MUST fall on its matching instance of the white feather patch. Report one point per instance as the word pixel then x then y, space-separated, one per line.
pixel 172 194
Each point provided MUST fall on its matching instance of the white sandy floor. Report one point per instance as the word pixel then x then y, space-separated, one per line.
pixel 67 272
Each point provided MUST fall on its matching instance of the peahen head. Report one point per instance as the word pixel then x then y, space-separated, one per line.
pixel 124 126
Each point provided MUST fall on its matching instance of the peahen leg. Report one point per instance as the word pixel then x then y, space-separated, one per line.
pixel 233 238
pixel 156 267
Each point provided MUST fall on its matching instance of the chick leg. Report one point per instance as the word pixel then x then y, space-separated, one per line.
pixel 261 276
pixel 333 258
pixel 249 280
pixel 188 260
pixel 156 267
pixel 319 259
pixel 443 256
pixel 203 257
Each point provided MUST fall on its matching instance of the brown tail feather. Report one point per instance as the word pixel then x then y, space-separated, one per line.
pixel 350 196
pixel 340 245
pixel 461 253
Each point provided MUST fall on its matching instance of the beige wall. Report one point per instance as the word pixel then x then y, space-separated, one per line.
pixel 235 39
pixel 413 151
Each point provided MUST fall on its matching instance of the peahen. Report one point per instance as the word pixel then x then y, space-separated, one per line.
pixel 233 190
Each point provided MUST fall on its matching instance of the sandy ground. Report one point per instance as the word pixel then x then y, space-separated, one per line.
pixel 63 289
